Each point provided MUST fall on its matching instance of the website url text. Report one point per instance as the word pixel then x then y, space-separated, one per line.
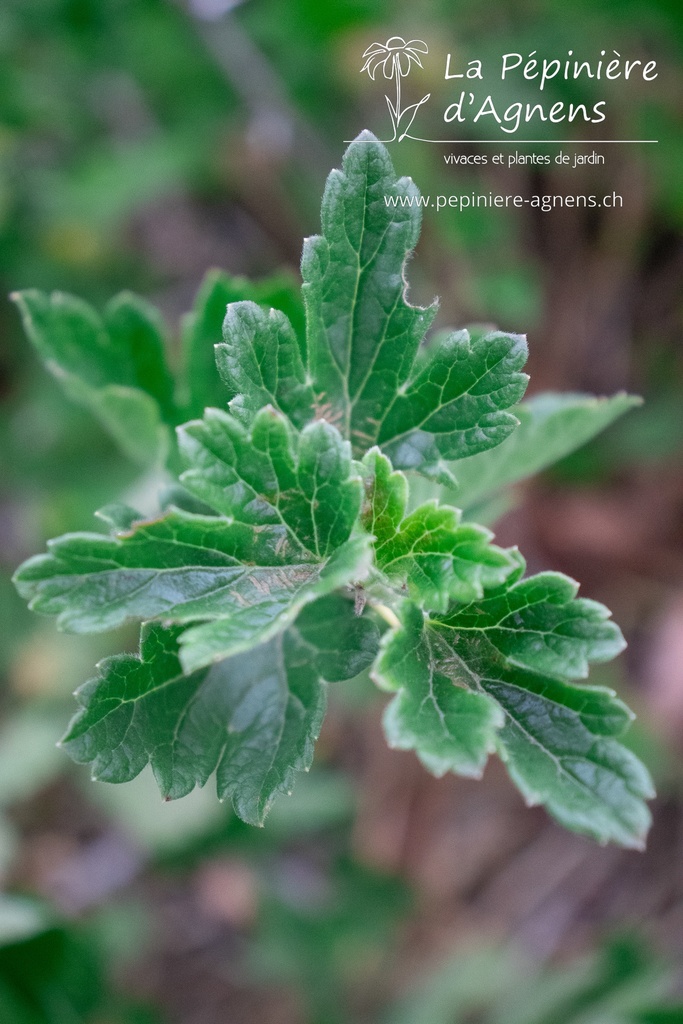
pixel 490 200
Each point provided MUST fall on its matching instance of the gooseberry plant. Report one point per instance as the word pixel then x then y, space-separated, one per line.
pixel 294 549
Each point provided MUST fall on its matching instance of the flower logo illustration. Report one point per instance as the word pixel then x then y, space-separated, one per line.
pixel 396 58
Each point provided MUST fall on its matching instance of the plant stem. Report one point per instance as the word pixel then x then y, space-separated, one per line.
pixel 387 614
pixel 398 93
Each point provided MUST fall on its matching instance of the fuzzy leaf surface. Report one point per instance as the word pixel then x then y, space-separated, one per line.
pixel 451 728
pixel 240 576
pixel 429 553
pixel 301 488
pixel 253 719
pixel 260 362
pixel 558 739
pixel 540 624
pixel 363 336
pixel 202 330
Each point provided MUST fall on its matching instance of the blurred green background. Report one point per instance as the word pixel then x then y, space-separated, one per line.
pixel 143 142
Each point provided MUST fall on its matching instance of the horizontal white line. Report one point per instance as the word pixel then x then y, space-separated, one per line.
pixel 546 142
pixel 519 142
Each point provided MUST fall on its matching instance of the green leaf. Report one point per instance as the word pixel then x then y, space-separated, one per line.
pixel 451 728
pixel 114 365
pixel 454 406
pixel 202 329
pixel 185 568
pixel 335 640
pixel 136 330
pixel 272 602
pixel 558 739
pixel 49 972
pixel 540 624
pixel 260 363
pixel 300 487
pixel 363 335
pixel 550 427
pixel 429 553
pixel 289 504
pixel 253 719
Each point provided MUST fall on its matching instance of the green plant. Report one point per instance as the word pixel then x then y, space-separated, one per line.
pixel 52 971
pixel 288 553
pixel 622 981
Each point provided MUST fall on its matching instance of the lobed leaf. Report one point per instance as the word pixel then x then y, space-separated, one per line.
pixel 269 476
pixel 202 384
pixel 288 504
pixel 233 578
pixel 557 739
pixel 451 728
pixel 429 553
pixel 540 624
pixel 253 719
pixel 115 364
pixel 260 363
pixel 456 404
pixel 271 523
pixel 363 336
pixel 272 602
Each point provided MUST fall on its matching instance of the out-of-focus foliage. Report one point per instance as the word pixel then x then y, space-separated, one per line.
pixel 93 129
pixel 623 983
pixel 329 938
pixel 51 973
